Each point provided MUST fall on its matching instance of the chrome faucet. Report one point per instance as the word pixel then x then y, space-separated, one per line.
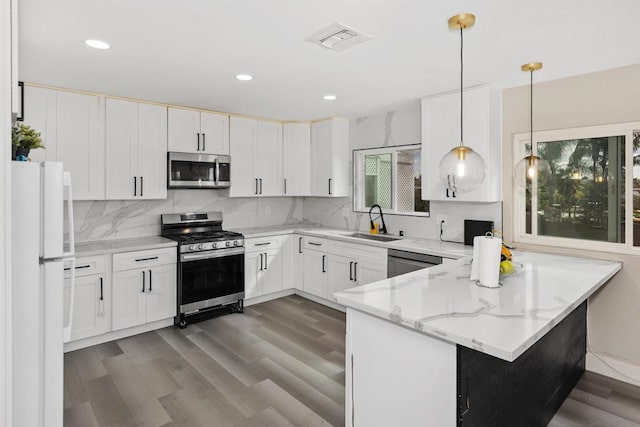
pixel 384 227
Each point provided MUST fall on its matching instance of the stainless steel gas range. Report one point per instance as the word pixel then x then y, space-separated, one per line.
pixel 210 265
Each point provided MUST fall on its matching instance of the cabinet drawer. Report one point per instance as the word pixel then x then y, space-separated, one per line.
pixel 88 266
pixel 262 244
pixel 361 252
pixel 315 244
pixel 144 259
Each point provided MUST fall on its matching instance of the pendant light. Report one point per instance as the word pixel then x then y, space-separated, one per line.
pixel 532 168
pixel 462 169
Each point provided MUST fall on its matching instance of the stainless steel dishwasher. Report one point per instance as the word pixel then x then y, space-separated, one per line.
pixel 401 262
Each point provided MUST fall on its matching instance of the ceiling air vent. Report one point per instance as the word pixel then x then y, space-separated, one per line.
pixel 337 37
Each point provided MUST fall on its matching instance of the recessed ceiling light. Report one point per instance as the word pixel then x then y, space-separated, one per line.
pixel 97 44
pixel 245 77
pixel 329 97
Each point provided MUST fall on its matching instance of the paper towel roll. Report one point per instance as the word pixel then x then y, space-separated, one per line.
pixel 476 255
pixel 489 261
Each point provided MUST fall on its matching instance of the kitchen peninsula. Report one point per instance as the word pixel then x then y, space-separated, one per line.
pixel 432 348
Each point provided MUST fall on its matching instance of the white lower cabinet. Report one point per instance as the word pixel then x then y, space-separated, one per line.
pixel 146 293
pixel 263 266
pixel 316 277
pixel 297 262
pixel 341 275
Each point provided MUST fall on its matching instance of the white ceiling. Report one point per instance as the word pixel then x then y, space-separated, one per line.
pixel 187 52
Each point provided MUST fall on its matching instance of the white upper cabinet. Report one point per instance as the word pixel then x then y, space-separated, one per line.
pixel 136 150
pixel 193 131
pixel 330 158
pixel 296 159
pixel 256 157
pixel 441 133
pixel 40 112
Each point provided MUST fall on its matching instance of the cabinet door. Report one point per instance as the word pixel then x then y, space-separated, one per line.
pixel 243 139
pixel 183 129
pixel 315 273
pixel 271 276
pixel 161 293
pixel 321 133
pixel 152 151
pixel 129 299
pixel 215 133
pixel 288 255
pixel 269 158
pixel 298 262
pixel 341 276
pixel 80 142
pixel 91 306
pixel 40 112
pixel 369 271
pixel 296 159
pixel 253 264
pixel 121 129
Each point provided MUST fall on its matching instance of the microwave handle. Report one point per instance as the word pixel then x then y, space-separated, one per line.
pixel 217 170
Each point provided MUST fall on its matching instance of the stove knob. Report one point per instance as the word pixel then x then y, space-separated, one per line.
pixel 227 243
pixel 201 246
pixel 214 246
pixel 236 243
pixel 193 247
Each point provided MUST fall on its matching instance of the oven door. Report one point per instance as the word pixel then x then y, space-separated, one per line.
pixel 209 279
pixel 189 170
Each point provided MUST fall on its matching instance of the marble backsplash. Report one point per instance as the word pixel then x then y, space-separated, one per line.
pixel 119 219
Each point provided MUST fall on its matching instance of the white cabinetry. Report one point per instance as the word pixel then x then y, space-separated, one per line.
pixel 330 154
pixel 144 287
pixel 136 150
pixel 296 159
pixel 92 297
pixel 256 153
pixel 193 131
pixel 316 262
pixel 263 266
pixel 72 133
pixel 441 133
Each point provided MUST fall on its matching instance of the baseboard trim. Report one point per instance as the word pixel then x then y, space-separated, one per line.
pixel 614 368
pixel 268 297
pixel 116 335
pixel 320 300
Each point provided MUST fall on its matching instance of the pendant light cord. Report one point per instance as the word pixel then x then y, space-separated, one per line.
pixel 531 115
pixel 461 85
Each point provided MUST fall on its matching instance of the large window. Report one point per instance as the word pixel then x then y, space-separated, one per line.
pixel 389 177
pixel 584 204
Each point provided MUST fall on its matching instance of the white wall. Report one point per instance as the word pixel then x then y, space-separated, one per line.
pixel 398 127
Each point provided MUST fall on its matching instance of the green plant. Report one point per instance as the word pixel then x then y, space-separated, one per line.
pixel 25 136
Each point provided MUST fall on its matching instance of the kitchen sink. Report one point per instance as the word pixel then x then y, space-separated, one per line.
pixel 376 237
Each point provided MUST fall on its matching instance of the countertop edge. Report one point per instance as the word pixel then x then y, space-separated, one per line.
pixel 108 247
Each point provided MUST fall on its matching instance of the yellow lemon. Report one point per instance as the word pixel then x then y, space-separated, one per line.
pixel 506 267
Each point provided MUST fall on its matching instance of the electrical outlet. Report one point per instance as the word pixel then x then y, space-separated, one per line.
pixel 345 212
pixel 442 219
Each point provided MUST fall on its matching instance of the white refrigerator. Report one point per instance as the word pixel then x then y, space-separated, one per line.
pixel 41 209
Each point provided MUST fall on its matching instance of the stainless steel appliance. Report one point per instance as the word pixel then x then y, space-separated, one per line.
pixel 190 170
pixel 401 262
pixel 210 265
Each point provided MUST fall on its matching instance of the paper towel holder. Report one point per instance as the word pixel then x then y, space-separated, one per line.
pixel 478 283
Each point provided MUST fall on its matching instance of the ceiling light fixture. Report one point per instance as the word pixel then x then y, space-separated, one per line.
pixel 329 97
pixel 97 44
pixel 532 169
pixel 244 77
pixel 462 169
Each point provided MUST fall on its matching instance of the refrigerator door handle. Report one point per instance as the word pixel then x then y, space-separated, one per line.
pixel 66 330
pixel 72 233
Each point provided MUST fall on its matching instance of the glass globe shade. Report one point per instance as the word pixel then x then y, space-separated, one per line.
pixel 531 169
pixel 462 170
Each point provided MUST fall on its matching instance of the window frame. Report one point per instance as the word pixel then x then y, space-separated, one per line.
pixel 520 142
pixel 359 185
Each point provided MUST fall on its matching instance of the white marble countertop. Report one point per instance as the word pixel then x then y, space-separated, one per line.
pixel 441 301
pixel 426 246
pixel 122 245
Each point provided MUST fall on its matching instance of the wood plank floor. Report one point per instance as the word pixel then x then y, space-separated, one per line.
pixel 281 363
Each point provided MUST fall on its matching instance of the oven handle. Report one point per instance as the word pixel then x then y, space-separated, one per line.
pixel 211 254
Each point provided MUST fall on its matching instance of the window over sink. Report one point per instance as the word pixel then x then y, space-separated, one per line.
pixel 389 177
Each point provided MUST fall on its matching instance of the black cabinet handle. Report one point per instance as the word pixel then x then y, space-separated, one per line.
pixel 135 185
pixel 262 244
pixel 150 282
pixel 256 186
pixel 204 146
pixel 266 261
pixel 454 193
pixel 83 266
pixel 143 282
pixel 101 291
pixel 146 259
pixel 329 186
pixel 141 186
pixel 315 244
pixel 447 192
pixel 351 271
pixel 285 186
pixel 323 257
pixel 355 271
pixel 261 267
pixel 260 185
pixel 198 141
pixel 299 245
pixel 21 86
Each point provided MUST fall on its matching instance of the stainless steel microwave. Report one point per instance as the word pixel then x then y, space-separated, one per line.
pixel 190 170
